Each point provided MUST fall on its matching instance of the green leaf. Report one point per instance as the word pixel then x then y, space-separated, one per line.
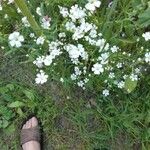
pixel 144 18
pixel 16 104
pixel 10 129
pixel 130 85
pixel 29 94
pixel 20 112
pixel 4 123
pixel 26 12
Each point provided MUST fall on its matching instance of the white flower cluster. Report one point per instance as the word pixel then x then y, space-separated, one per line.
pixel 76 76
pixel 80 29
pixel 75 52
pixel 75 13
pixel 97 58
pixel 47 60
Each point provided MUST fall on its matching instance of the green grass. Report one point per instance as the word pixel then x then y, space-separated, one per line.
pixel 83 121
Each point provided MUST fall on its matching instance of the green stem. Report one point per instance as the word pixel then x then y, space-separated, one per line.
pixel 26 12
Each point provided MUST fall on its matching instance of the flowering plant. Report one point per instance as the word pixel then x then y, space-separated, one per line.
pixel 81 54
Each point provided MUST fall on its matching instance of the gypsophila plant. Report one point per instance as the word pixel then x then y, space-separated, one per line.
pixel 79 52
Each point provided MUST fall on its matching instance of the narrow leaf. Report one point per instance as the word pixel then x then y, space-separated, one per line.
pixel 29 94
pixel 26 12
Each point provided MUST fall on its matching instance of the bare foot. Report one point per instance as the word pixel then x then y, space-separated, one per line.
pixel 31 145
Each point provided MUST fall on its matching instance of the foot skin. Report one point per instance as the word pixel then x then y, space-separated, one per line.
pixel 31 145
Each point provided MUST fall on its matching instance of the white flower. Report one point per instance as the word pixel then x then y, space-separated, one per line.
pixel 80 84
pixel 25 22
pixel 93 33
pixel 139 59
pixel 114 49
pixel 111 75
pixel 64 11
pixel 119 65
pixel 133 77
pixel 105 92
pixel 121 84
pixel 5 16
pixel 85 26
pixel 73 77
pixel 137 70
pixel 54 45
pixel 48 60
pixel 32 35
pixel 104 58
pixel 39 61
pixel 147 57
pixel 82 51
pixel 41 77
pixel 106 47
pixel 62 35
pixel 15 39
pixel 55 52
pixel 62 80
pixel 125 76
pixel 40 40
pixel 46 22
pixel 97 68
pixel 91 42
pixel 76 12
pixel 86 80
pixel 38 11
pixel 92 5
pixel 70 26
pixel 77 71
pixel 100 43
pixel 146 36
pixel 78 34
pixel 18 10
pixel 73 51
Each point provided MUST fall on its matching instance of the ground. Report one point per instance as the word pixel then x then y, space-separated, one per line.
pixel 73 120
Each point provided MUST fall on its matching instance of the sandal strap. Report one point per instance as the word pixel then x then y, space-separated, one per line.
pixel 31 134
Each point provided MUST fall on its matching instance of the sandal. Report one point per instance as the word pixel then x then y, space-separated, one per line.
pixel 30 134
